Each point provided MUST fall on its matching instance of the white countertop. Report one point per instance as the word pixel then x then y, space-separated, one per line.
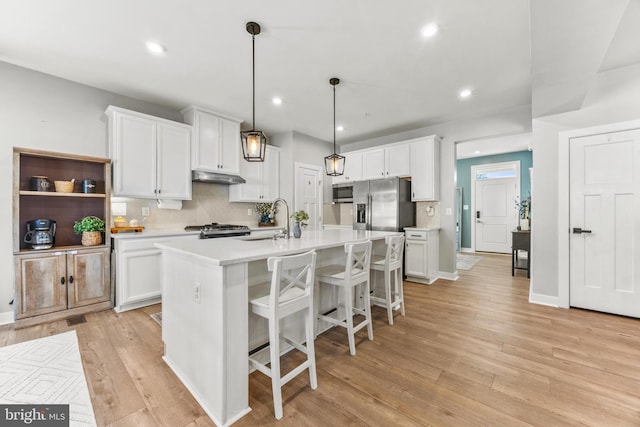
pixel 234 250
pixel 153 233
pixel 421 229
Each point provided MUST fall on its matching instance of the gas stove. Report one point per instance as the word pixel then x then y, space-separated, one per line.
pixel 213 230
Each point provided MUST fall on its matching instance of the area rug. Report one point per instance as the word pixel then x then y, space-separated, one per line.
pixel 157 317
pixel 466 262
pixel 47 371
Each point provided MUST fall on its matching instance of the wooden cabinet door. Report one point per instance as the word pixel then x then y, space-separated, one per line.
pixel 424 170
pixel 134 156
pixel 174 162
pixel 40 284
pixel 416 258
pixel 373 164
pixel 230 151
pixel 397 160
pixel 88 277
pixel 271 175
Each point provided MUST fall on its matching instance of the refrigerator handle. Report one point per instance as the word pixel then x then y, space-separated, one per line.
pixel 369 210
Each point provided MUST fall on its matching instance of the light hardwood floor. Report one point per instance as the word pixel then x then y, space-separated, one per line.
pixel 468 353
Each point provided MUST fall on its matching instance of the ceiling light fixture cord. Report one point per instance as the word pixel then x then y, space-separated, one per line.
pixel 253 78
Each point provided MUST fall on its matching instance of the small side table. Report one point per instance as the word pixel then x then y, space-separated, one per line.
pixel 520 241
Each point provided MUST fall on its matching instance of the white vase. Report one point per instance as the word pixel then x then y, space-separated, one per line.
pixel 524 224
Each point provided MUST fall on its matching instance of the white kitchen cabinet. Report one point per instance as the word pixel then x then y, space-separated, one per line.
pixel 263 179
pixel 421 255
pixel 425 170
pixel 385 162
pixel 216 141
pixel 150 156
pixel 138 270
pixel 352 168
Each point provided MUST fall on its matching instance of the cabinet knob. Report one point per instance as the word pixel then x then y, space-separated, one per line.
pixel 62 281
pixel 70 279
pixel 159 191
pixel 382 173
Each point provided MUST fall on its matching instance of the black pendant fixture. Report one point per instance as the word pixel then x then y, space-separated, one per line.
pixel 254 142
pixel 334 164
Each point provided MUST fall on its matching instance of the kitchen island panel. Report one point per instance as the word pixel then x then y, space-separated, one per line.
pixel 206 340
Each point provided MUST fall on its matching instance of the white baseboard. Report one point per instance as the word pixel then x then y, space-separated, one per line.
pixel 448 276
pixel 543 300
pixel 6 318
pixel 467 250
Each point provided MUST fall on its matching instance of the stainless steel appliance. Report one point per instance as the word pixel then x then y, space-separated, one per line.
pixel 40 233
pixel 383 205
pixel 343 193
pixel 213 230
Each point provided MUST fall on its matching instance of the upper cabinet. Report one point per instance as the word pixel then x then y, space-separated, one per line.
pixel 352 168
pixel 150 156
pixel 425 171
pixel 263 179
pixel 392 160
pixel 216 141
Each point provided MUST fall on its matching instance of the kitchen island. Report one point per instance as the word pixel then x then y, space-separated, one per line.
pixel 205 308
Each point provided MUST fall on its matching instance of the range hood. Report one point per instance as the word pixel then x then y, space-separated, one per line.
pixel 216 178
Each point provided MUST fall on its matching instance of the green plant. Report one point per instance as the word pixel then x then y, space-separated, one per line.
pixel 89 223
pixel 300 216
pixel 265 208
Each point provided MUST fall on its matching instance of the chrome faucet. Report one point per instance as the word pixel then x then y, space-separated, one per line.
pixel 272 213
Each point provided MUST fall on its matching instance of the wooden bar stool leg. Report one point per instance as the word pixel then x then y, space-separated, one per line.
pixel 311 352
pixel 348 308
pixel 387 290
pixel 274 348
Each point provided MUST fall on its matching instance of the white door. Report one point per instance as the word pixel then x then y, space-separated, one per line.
pixel 604 223
pixel 496 216
pixel 308 187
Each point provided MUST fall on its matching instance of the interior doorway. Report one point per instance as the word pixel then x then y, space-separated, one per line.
pixel 308 193
pixel 495 188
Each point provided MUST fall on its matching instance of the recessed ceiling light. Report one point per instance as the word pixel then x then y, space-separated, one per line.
pixel 276 100
pixel 430 30
pixel 476 152
pixel 339 128
pixel 156 48
pixel 465 93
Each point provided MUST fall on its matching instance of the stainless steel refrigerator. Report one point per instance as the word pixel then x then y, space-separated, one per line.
pixel 383 205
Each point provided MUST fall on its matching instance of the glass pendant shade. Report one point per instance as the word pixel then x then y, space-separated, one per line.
pixel 334 164
pixel 254 143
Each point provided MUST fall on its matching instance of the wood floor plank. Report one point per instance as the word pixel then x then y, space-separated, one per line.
pixel 468 352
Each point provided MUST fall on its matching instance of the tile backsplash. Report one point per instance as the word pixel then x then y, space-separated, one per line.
pixel 210 203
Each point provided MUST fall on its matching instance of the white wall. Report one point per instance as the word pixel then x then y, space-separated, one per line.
pixel 615 97
pixel 45 112
pixel 515 121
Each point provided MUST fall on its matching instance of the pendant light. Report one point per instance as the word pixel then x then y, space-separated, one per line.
pixel 334 164
pixel 254 142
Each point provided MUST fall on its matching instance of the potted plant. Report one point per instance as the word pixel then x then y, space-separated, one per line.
pixel 91 228
pixel 298 217
pixel 263 210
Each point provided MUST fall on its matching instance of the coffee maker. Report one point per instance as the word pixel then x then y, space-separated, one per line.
pixel 40 233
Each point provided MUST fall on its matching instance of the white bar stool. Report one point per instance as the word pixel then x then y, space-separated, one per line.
pixel 390 263
pixel 291 291
pixel 355 272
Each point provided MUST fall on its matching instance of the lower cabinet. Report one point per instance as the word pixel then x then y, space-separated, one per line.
pixel 421 255
pixel 61 282
pixel 138 270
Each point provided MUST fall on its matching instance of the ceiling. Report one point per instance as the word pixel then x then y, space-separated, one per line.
pixel 392 78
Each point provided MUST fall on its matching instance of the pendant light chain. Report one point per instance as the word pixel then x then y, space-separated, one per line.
pixel 334 119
